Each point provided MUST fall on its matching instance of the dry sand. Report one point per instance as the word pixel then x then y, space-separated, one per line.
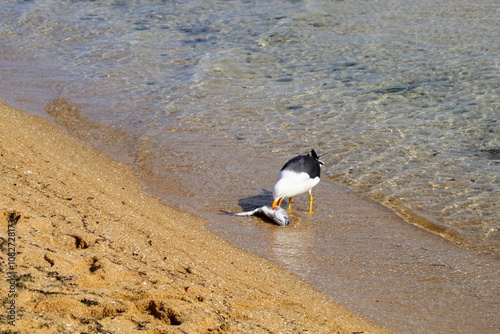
pixel 93 253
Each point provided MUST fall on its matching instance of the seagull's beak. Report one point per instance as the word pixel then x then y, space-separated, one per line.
pixel 276 202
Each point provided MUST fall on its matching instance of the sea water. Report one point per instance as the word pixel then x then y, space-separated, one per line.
pixel 211 98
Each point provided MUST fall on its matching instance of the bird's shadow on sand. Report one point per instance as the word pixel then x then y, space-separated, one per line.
pixel 253 202
pixel 249 203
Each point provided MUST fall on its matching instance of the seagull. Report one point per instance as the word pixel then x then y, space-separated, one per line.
pixel 298 175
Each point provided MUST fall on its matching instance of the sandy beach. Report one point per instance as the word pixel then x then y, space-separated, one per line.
pixel 85 250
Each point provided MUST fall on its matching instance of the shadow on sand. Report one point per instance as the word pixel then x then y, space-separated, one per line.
pixel 249 203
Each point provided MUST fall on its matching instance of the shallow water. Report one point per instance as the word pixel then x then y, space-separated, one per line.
pixel 209 99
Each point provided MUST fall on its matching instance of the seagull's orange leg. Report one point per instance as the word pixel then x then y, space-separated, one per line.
pixel 289 208
pixel 310 202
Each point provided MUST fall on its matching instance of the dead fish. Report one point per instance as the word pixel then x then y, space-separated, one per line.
pixel 278 215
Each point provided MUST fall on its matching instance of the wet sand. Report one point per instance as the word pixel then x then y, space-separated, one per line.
pixel 93 253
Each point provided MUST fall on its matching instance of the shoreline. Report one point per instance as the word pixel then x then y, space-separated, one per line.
pixel 87 239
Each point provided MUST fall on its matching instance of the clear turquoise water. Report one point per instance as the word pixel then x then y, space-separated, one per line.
pixel 215 96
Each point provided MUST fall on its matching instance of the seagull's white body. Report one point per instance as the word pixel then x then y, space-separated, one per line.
pixel 291 184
